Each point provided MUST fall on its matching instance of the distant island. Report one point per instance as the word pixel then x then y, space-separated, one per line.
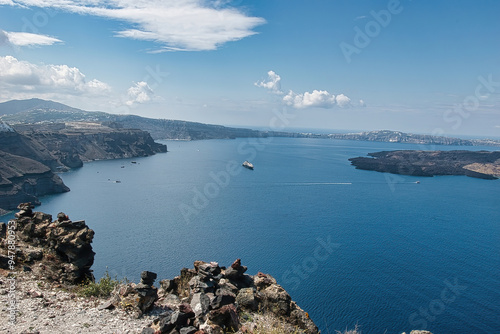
pixel 37 111
pixel 478 164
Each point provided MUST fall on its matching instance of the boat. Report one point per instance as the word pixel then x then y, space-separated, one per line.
pixel 247 164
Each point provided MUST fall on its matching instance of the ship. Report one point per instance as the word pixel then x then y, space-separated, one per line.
pixel 247 164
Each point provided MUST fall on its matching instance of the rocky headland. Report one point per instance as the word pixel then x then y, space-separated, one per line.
pixel 50 262
pixel 31 155
pixel 478 164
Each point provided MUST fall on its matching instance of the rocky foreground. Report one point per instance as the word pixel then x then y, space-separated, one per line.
pixel 478 164
pixel 45 264
pixel 52 259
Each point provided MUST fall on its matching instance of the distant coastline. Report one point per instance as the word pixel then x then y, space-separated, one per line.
pixel 36 111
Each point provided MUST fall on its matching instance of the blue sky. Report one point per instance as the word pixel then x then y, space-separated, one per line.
pixel 416 66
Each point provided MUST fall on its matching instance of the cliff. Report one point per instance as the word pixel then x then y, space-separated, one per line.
pixel 478 164
pixel 76 142
pixel 31 154
pixel 24 179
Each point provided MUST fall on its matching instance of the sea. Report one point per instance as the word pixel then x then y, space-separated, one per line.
pixel 387 253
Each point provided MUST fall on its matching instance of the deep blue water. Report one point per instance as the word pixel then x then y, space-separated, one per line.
pixel 399 255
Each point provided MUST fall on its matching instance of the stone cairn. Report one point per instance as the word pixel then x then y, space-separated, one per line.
pixel 134 298
pixel 58 250
pixel 211 299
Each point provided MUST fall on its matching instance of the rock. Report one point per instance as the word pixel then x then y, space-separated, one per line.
pixel 3 229
pixel 148 277
pixel 107 305
pixel 68 251
pixel 301 319
pixel 179 319
pixel 236 270
pixel 276 300
pixel 246 299
pixel 262 281
pixel 62 217
pixel 188 330
pixel 166 324
pixel 25 210
pixel 223 297
pixel 187 309
pixel 32 255
pixel 225 317
pixel 167 285
pixel 171 301
pixel 200 304
pixel 196 284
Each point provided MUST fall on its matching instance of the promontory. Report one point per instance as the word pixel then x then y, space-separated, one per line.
pixel 478 164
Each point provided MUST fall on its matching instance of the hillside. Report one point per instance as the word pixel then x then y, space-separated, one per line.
pixel 39 111
pixel 30 156
pixel 36 111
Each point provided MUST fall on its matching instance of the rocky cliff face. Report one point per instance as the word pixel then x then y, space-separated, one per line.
pixel 77 142
pixel 24 179
pixel 30 155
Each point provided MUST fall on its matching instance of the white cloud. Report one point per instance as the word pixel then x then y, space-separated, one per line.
pixel 140 92
pixel 16 75
pixel 362 103
pixel 343 101
pixel 316 99
pixel 273 82
pixel 26 39
pixel 187 25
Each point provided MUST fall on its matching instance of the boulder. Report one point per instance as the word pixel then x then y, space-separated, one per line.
pixel 226 317
pixel 246 299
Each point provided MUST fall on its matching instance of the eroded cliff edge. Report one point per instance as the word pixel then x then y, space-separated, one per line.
pixel 30 155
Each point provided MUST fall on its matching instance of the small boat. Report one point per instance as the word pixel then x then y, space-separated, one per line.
pixel 133 162
pixel 418 182
pixel 247 164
